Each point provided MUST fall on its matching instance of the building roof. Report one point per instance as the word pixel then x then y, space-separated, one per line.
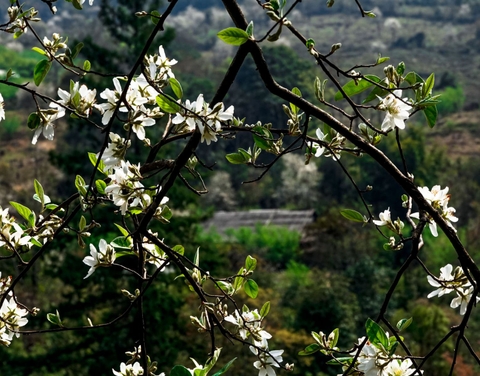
pixel 291 219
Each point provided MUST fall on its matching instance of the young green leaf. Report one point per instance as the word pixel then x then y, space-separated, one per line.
pixel 352 215
pixel 265 309
pixel 224 368
pixel 376 334
pixel 167 105
pixel 310 349
pixel 404 323
pixel 233 36
pixel 40 71
pixel 82 223
pixel 176 87
pixel 428 87
pixel 87 65
pixel 21 209
pixel 250 263
pixel 155 17
pixel 251 288
pixel 39 50
pixel 357 86
pixel 431 114
pixel 100 185
pixel 39 191
pixel 179 249
pixel 236 158
pixel 249 29
pixel 294 108
pixel 180 371
pixel 33 121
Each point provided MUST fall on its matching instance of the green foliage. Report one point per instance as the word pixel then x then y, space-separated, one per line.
pixel 452 100
pixel 276 244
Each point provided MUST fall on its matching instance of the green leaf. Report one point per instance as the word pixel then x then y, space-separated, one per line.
pixel 77 4
pixel 376 91
pixel 381 60
pixel 345 360
pixel 39 191
pixel 431 114
pixel 93 160
pixel 265 309
pixel 54 318
pixel 404 323
pixel 100 185
pixel 233 36
pixel 180 371
pixel 428 87
pixel 155 17
pixel 82 223
pixel 87 65
pixel 196 259
pixel 176 87
pixel 413 78
pixel 122 230
pixel 250 263
pixel 21 209
pixel 76 50
pixel 401 68
pixel 249 29
pixel 310 349
pixel 294 108
pixel 80 185
pixel 236 158
pixel 251 288
pixel 357 86
pixel 167 105
pixel 376 334
pixel 352 215
pixel 33 121
pixel 40 71
pixel 263 137
pixel 224 368
pixel 32 219
pixel 336 333
pixel 39 50
pixel 179 249
pixel 245 154
pixel 121 242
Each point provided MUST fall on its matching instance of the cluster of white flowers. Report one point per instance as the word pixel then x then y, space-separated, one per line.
pixel 439 199
pixel 115 151
pixel 129 370
pixel 159 67
pixel 208 120
pixel 12 236
pixel 105 256
pixel 12 316
pixel 334 146
pixel 80 99
pixel 398 110
pixel 386 220
pixel 249 323
pixel 375 361
pixel 125 189
pixel 453 280
pixel 47 117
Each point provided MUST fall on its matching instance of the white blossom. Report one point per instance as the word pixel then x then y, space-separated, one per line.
pixel 104 257
pixel 397 111
pixel 267 361
pixel 2 108
pixel 134 369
